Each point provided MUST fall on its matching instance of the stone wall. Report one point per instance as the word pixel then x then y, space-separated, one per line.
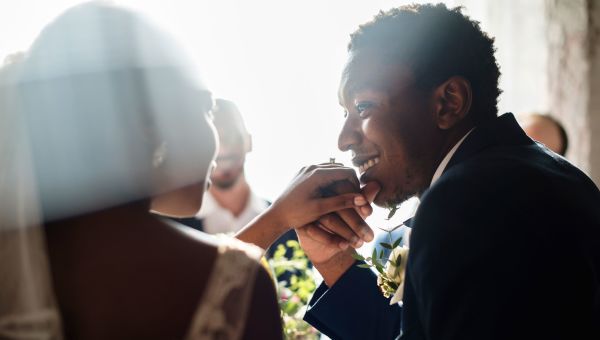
pixel 549 56
pixel 574 77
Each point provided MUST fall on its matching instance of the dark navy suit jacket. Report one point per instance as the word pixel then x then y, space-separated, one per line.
pixel 505 245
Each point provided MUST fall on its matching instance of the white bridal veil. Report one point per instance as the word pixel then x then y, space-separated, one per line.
pixel 103 109
pixel 27 306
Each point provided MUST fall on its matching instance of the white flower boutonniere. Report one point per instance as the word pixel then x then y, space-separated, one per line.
pixel 391 271
pixel 395 273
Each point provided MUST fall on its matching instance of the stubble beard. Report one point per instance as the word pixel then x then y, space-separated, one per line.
pixel 411 188
pixel 224 185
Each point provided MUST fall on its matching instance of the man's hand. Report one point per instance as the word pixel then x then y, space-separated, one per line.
pixel 324 241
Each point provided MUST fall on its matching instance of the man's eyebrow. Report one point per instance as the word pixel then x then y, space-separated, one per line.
pixel 350 90
pixel 376 84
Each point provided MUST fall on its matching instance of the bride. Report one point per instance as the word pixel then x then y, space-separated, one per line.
pixel 102 121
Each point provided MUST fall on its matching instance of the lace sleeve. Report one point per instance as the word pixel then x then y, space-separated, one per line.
pixel 222 311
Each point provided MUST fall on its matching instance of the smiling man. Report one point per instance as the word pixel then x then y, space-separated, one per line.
pixel 419 93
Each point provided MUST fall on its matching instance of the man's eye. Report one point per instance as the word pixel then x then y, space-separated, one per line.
pixel 363 108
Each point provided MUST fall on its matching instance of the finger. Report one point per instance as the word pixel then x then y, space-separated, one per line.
pixel 300 172
pixel 364 211
pixel 355 222
pixel 341 187
pixel 370 190
pixel 319 235
pixel 326 205
pixel 302 232
pixel 334 224
pixel 325 176
pixel 363 208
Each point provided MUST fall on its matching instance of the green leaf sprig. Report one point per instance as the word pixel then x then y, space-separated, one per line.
pixel 376 261
pixel 295 293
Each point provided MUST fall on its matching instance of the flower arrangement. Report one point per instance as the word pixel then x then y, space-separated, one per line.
pixel 390 270
pixel 294 292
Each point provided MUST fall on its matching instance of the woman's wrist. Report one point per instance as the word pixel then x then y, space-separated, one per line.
pixel 274 219
pixel 264 229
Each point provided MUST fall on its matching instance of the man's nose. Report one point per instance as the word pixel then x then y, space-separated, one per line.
pixel 350 135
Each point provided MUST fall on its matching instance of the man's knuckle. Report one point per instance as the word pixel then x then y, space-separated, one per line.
pixel 324 219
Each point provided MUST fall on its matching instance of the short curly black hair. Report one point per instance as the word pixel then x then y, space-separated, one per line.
pixel 437 43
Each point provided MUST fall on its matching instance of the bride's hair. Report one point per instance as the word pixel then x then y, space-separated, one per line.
pixel 114 111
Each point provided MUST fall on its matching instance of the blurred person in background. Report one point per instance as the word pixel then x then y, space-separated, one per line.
pixel 229 203
pixel 547 130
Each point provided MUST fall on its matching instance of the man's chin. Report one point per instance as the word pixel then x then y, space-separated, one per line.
pixel 380 201
pixel 387 202
pixel 391 200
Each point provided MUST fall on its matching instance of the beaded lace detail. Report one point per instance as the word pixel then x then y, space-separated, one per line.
pixel 39 325
pixel 222 311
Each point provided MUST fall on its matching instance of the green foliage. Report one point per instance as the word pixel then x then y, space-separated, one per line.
pixel 392 212
pixel 386 245
pixel 376 261
pixel 295 294
pixel 358 257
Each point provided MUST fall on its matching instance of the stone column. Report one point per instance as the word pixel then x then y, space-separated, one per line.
pixel 574 77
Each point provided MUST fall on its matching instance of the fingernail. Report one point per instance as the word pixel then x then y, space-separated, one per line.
pixel 359 201
pixel 367 235
pixel 358 244
pixel 365 211
pixel 343 245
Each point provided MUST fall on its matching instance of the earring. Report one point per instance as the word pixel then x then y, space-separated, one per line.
pixel 158 158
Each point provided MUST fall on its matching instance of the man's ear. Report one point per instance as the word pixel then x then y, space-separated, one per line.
pixel 248 143
pixel 453 101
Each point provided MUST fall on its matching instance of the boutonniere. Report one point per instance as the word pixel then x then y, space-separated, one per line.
pixel 392 283
pixel 391 271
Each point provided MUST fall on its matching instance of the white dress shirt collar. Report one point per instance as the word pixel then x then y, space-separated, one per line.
pixel 217 219
pixel 440 169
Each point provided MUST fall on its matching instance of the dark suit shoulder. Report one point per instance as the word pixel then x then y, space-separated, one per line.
pixel 496 236
pixel 531 173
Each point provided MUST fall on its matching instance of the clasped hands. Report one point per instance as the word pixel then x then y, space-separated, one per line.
pixel 327 207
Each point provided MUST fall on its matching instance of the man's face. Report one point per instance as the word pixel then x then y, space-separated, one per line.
pixel 390 127
pixel 230 160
